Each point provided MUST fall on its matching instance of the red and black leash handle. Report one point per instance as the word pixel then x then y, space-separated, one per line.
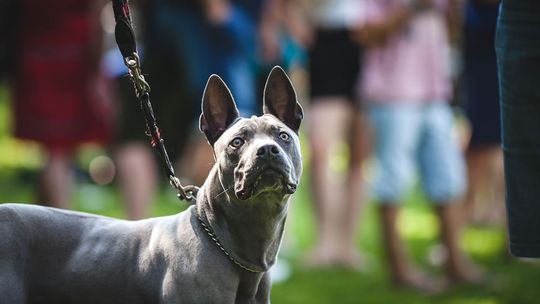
pixel 125 38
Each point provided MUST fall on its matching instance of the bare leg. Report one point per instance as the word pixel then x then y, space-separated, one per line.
pixel 328 189
pixel 474 186
pixel 359 149
pixel 399 266
pixel 401 271
pixel 485 195
pixel 457 267
pixel 138 178
pixel 496 210
pixel 56 180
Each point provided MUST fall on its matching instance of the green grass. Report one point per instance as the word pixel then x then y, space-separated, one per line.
pixel 508 280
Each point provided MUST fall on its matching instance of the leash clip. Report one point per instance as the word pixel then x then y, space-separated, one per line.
pixel 185 193
pixel 133 63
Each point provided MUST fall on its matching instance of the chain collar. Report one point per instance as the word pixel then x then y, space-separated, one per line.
pixel 214 238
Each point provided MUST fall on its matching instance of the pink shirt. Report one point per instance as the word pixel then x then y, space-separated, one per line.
pixel 413 65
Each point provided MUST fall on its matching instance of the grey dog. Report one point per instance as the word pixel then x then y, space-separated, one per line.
pixel 217 251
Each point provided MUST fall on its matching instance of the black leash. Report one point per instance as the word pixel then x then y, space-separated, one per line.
pixel 125 38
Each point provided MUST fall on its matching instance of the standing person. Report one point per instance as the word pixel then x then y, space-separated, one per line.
pixel 334 64
pixel 485 192
pixel 518 57
pixel 56 81
pixel 407 88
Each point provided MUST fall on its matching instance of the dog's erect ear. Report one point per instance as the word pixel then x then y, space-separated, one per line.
pixel 218 109
pixel 280 99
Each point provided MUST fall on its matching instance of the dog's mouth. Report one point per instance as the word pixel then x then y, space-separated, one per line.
pixel 268 180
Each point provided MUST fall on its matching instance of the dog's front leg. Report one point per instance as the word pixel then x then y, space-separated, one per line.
pixel 263 291
pixel 254 290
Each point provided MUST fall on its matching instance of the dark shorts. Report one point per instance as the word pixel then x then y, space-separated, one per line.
pixel 334 63
pixel 518 55
pixel 482 98
pixel 481 84
pixel 482 105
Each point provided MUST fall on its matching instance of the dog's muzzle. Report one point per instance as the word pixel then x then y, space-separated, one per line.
pixel 267 179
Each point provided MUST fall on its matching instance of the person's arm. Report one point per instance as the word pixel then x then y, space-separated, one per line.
pixel 377 33
pixel 297 22
pixel 454 21
pixel 95 44
pixel 289 15
pixel 217 11
pixel 268 30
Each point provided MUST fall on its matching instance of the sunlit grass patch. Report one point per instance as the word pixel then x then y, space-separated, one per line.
pixel 19 154
pixel 14 153
pixel 417 225
pixel 483 242
pixel 5 118
pixel 417 219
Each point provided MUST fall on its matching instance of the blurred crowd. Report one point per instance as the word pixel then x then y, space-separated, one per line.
pixel 409 86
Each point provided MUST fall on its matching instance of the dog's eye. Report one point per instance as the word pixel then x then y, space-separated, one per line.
pixel 284 136
pixel 237 142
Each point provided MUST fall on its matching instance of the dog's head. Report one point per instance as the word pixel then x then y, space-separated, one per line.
pixel 257 156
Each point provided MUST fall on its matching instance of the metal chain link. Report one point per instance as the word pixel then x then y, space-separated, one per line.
pixel 218 243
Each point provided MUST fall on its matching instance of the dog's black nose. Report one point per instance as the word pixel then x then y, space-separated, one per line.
pixel 268 150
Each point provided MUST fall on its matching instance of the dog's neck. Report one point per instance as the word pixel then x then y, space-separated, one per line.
pixel 250 231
